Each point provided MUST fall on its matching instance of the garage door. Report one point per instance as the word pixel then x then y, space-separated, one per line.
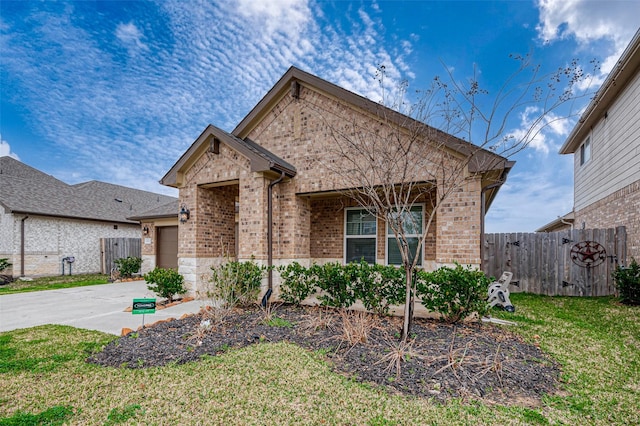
pixel 167 252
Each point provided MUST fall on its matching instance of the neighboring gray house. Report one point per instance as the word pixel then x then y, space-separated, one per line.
pixel 606 147
pixel 43 220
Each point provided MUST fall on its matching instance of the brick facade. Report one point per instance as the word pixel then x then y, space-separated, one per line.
pixel 458 230
pixel 622 208
pixel 307 226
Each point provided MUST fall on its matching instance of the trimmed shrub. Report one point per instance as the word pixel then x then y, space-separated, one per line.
pixel 627 282
pixel 165 282
pixel 128 266
pixel 4 264
pixel 237 283
pixel 455 293
pixel 297 282
pixel 377 286
pixel 335 281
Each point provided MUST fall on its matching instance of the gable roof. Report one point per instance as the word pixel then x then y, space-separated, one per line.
pixel 483 160
pixel 261 159
pixel 626 68
pixel 26 190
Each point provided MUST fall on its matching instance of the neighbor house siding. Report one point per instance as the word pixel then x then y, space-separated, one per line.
pixel 615 150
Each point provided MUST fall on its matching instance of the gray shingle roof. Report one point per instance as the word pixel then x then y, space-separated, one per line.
pixel 169 209
pixel 24 189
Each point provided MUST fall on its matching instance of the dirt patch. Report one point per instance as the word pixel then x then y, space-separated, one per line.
pixel 475 361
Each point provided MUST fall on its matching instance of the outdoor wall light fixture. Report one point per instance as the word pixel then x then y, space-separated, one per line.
pixel 145 230
pixel 184 213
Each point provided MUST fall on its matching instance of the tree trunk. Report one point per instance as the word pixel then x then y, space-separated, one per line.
pixel 408 308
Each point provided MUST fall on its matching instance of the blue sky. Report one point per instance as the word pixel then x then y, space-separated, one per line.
pixel 117 90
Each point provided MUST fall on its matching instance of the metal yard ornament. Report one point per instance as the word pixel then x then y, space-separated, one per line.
pixel 588 254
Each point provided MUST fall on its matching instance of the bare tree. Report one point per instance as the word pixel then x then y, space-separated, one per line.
pixel 421 152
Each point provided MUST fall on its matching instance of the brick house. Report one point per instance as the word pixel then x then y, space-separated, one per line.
pixel 606 147
pixel 159 236
pixel 43 220
pixel 271 169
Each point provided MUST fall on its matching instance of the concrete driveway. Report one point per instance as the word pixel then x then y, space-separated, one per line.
pixel 98 307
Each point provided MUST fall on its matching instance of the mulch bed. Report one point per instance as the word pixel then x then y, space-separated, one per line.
pixel 441 361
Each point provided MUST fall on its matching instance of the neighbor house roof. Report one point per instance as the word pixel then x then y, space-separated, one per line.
pixel 562 222
pixel 26 190
pixel 626 68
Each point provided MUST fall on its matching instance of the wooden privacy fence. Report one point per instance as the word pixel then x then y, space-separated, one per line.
pixel 566 263
pixel 118 248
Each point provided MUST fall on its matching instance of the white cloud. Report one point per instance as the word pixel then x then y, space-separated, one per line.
pixel 285 16
pixel 539 131
pixel 210 63
pixel 589 21
pixel 5 149
pixel 131 37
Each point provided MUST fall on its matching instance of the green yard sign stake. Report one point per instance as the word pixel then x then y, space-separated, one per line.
pixel 143 306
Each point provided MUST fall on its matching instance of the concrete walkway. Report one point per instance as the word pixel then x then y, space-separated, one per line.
pixel 98 307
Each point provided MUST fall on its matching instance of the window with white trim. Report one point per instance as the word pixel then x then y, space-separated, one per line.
pixel 585 151
pixel 412 222
pixel 360 235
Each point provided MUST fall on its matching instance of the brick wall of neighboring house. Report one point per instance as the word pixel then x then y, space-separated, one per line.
pixel 622 208
pixel 48 240
pixel 7 236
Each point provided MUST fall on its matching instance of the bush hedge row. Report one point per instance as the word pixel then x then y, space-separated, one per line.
pixel 455 293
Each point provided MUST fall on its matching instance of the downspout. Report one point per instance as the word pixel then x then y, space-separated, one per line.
pixel 22 244
pixel 564 222
pixel 267 295
pixel 483 211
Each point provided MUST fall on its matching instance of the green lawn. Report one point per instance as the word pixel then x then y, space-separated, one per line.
pixel 43 378
pixel 52 283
